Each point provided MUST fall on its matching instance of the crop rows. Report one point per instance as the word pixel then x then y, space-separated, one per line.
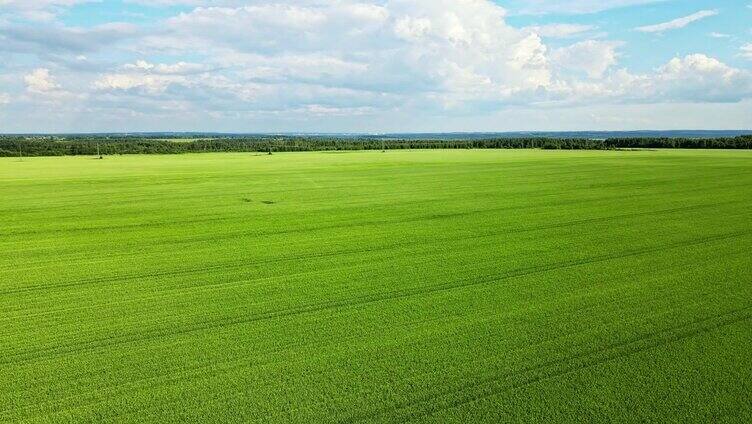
pixel 430 286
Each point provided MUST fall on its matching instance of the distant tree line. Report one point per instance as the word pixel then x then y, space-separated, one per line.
pixel 108 145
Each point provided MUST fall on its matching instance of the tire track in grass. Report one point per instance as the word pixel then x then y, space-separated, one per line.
pixel 419 290
pixel 245 262
pixel 354 263
pixel 428 399
pixel 221 368
pixel 218 368
pixel 612 306
pixel 233 234
pixel 547 193
pixel 196 288
pixel 61 350
pixel 540 193
pixel 374 222
pixel 75 200
pixel 268 357
pixel 183 374
pixel 489 387
pixel 235 283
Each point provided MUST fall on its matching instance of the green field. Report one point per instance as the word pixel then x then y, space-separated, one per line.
pixel 436 286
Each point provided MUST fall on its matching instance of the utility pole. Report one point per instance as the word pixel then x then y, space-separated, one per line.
pixel 98 154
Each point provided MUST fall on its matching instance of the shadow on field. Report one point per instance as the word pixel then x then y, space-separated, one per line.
pixel 249 200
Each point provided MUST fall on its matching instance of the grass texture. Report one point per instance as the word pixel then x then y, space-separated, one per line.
pixel 428 286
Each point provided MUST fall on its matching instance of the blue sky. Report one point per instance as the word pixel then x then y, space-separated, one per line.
pixel 374 66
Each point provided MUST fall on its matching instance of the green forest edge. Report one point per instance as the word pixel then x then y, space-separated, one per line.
pixel 110 145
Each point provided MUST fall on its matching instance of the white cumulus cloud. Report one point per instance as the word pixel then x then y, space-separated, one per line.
pixel 698 77
pixel 592 57
pixel 40 81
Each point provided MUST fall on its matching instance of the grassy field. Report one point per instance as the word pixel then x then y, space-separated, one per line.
pixel 435 286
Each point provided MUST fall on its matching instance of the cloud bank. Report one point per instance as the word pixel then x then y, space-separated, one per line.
pixel 304 60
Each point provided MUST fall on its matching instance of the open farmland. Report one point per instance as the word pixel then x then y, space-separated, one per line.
pixel 436 286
